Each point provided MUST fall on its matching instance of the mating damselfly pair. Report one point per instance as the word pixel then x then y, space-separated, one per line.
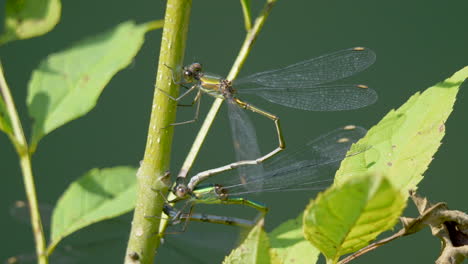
pixel 308 168
pixel 304 85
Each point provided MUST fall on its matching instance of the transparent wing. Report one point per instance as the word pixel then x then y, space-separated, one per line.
pixel 315 71
pixel 245 145
pixel 310 167
pixel 319 98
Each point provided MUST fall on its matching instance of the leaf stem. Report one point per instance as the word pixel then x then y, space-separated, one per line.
pixel 21 147
pixel 241 57
pixel 246 11
pixel 143 241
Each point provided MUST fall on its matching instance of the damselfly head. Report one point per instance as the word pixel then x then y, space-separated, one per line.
pixel 180 190
pixel 193 72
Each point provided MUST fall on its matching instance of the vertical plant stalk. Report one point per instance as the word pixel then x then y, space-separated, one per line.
pixel 243 53
pixel 21 147
pixel 143 240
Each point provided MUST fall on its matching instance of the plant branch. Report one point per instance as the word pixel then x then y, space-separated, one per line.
pixel 21 147
pixel 143 241
pixel 241 57
pixel 450 226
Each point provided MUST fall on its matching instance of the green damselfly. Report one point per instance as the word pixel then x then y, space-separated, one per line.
pixel 310 168
pixel 304 85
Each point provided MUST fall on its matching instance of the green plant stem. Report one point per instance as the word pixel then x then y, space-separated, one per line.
pixel 143 241
pixel 21 147
pixel 243 53
pixel 246 11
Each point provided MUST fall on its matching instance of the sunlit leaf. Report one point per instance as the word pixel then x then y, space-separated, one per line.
pixel 98 195
pixel 347 216
pixel 288 245
pixel 253 250
pixel 29 18
pixel 406 139
pixel 67 84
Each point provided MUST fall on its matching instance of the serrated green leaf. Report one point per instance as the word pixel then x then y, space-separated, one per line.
pixel 288 245
pixel 346 217
pixel 29 18
pixel 98 195
pixel 407 138
pixel 247 14
pixel 253 250
pixel 67 84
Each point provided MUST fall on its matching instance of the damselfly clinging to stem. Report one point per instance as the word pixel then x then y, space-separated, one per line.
pixel 304 85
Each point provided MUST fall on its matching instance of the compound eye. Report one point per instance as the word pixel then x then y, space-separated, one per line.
pixel 196 67
pixel 181 191
pixel 188 73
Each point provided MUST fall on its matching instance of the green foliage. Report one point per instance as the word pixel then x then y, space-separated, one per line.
pixel 367 198
pixel 67 84
pixel 29 18
pixel 253 250
pixel 357 208
pixel 406 139
pixel 288 245
pixel 285 244
pixel 98 195
pixel 346 217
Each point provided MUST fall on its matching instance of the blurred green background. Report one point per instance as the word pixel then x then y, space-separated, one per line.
pixel 418 43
